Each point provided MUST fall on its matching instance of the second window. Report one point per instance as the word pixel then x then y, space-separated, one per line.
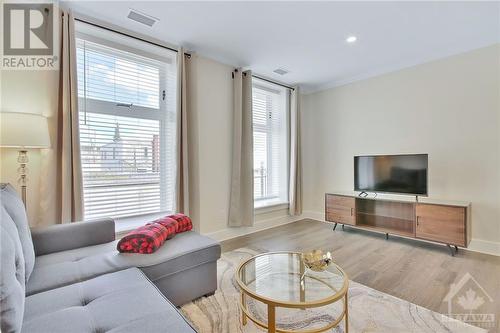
pixel 270 140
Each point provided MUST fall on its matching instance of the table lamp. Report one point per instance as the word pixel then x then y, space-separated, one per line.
pixel 23 131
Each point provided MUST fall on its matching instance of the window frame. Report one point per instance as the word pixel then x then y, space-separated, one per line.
pixel 115 109
pixel 161 114
pixel 281 200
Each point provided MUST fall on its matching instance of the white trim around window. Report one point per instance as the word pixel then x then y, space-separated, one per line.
pixel 127 114
pixel 271 144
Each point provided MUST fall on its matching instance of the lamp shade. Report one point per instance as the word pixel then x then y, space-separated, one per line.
pixel 23 130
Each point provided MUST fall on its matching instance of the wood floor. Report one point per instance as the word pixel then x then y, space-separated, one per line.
pixel 419 272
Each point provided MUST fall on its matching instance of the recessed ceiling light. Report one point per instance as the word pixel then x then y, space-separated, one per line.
pixel 351 39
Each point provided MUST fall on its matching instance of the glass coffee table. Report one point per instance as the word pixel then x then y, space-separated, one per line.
pixel 279 280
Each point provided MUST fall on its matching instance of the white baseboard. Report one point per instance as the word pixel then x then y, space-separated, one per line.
pixel 229 233
pixel 318 216
pixel 483 246
pixel 476 245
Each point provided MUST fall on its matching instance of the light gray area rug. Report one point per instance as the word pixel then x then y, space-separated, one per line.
pixel 369 310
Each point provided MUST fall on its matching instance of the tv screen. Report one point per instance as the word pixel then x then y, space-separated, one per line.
pixel 403 174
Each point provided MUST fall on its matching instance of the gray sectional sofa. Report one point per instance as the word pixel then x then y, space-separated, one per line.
pixel 70 278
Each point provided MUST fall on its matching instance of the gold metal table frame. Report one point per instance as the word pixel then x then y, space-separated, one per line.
pixel 341 294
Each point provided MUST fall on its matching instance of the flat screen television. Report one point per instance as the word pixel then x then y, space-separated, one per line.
pixel 401 174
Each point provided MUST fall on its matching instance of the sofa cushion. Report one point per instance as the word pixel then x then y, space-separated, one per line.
pixel 16 210
pixel 12 276
pixel 74 235
pixel 123 301
pixel 186 250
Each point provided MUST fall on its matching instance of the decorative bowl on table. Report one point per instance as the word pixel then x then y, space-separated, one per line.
pixel 317 260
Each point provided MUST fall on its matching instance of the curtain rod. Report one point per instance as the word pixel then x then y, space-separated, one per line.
pixel 128 35
pixel 273 82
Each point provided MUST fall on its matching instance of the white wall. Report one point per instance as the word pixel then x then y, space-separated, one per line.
pixel 31 92
pixel 210 123
pixel 448 108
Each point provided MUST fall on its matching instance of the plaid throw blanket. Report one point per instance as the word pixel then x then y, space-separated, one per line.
pixel 183 222
pixel 148 238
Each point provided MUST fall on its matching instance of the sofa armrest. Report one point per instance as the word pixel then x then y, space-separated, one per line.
pixel 62 237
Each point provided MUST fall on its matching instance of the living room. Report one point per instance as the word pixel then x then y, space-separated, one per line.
pixel 250 166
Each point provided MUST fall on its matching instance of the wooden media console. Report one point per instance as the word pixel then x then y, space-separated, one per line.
pixel 437 221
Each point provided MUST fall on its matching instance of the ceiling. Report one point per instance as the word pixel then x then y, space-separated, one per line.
pixel 308 38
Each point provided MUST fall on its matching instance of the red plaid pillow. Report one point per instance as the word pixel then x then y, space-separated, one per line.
pixel 184 222
pixel 146 239
pixel 167 221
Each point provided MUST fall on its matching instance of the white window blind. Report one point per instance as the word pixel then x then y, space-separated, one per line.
pixel 127 125
pixel 270 139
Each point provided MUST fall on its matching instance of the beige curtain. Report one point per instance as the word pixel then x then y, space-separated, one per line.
pixel 241 210
pixel 65 190
pixel 295 185
pixel 182 183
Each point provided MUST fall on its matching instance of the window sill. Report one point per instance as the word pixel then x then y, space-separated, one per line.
pixel 270 207
pixel 126 224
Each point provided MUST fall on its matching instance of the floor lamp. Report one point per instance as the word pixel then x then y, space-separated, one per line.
pixel 23 131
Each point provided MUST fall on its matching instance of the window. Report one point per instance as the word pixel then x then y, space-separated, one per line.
pixel 126 92
pixel 270 140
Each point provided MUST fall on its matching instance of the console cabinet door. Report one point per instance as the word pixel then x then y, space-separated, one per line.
pixel 444 224
pixel 340 209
